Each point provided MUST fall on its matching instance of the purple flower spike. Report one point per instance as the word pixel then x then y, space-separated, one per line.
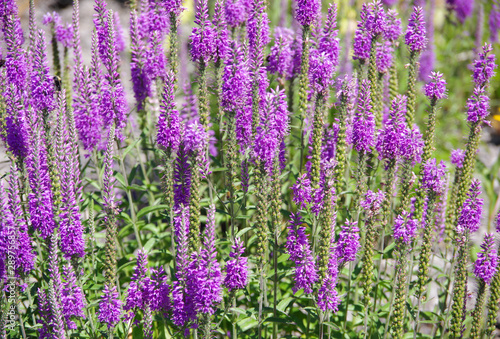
pixel 376 21
pixel 434 176
pixel 393 26
pixel 498 222
pixel 307 11
pixel 457 157
pixel 73 299
pixel 362 37
pixel 413 146
pixel 384 56
pixel 169 129
pixel 222 39
pixel 203 37
pixel 299 249
pixel 484 66
pixel 436 88
pixel 470 217
pixel 415 34
pixel 280 56
pixel 236 268
pixel 327 295
pixel 42 84
pixel 478 106
pixel 110 307
pixel 485 266
pixel 137 294
pixel 463 8
pixel 348 243
pixel 236 12
pixel 494 21
pixel 372 202
pixel 329 42
pixel 40 196
pixel 363 130
pixel 393 136
pixel 405 228
pixel 209 277
pixel 302 191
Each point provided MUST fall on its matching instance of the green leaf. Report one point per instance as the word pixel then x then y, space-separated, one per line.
pixel 149 209
pixel 247 323
pixel 149 244
pixel 129 147
pixel 283 304
pixel 243 231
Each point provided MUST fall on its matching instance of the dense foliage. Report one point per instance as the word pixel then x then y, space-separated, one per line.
pixel 253 180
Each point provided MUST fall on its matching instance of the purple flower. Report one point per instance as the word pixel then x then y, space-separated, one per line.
pixel 203 37
pixel 298 248
pixel 141 79
pixel 302 191
pixel 372 202
pixel 363 129
pixel 436 88
pixel 457 157
pixel 478 106
pixel 393 26
pixel 376 19
pixel 362 37
pixel 73 299
pixel 348 242
pixel 159 291
pixel 321 71
pixel 182 178
pixel 222 39
pixel 42 85
pixel 207 279
pixel 384 56
pixel 272 129
pixel 498 222
pixel 327 294
pixel 257 32
pixel 40 196
pixel 236 268
pixel 494 21
pixel 173 6
pixel 137 294
pixel 470 217
pixel 463 8
pixel 109 307
pixel 329 42
pixel 280 56
pixel 412 147
pixel 236 12
pixel 307 11
pixel 235 80
pixel 434 176
pixel 415 34
pixel 405 228
pixel 169 128
pixel 63 33
pixel 393 136
pixel 485 266
pixel 484 66
pixel 25 256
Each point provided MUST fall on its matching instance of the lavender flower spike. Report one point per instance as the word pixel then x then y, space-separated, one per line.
pixel 307 11
pixel 236 268
pixel 348 242
pixel 484 66
pixel 169 128
pixel 363 134
pixel 203 38
pixel 436 88
pixel 434 176
pixel 300 252
pixel 415 34
pixel 110 307
pixel 405 228
pixel 485 266
pixel 470 217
